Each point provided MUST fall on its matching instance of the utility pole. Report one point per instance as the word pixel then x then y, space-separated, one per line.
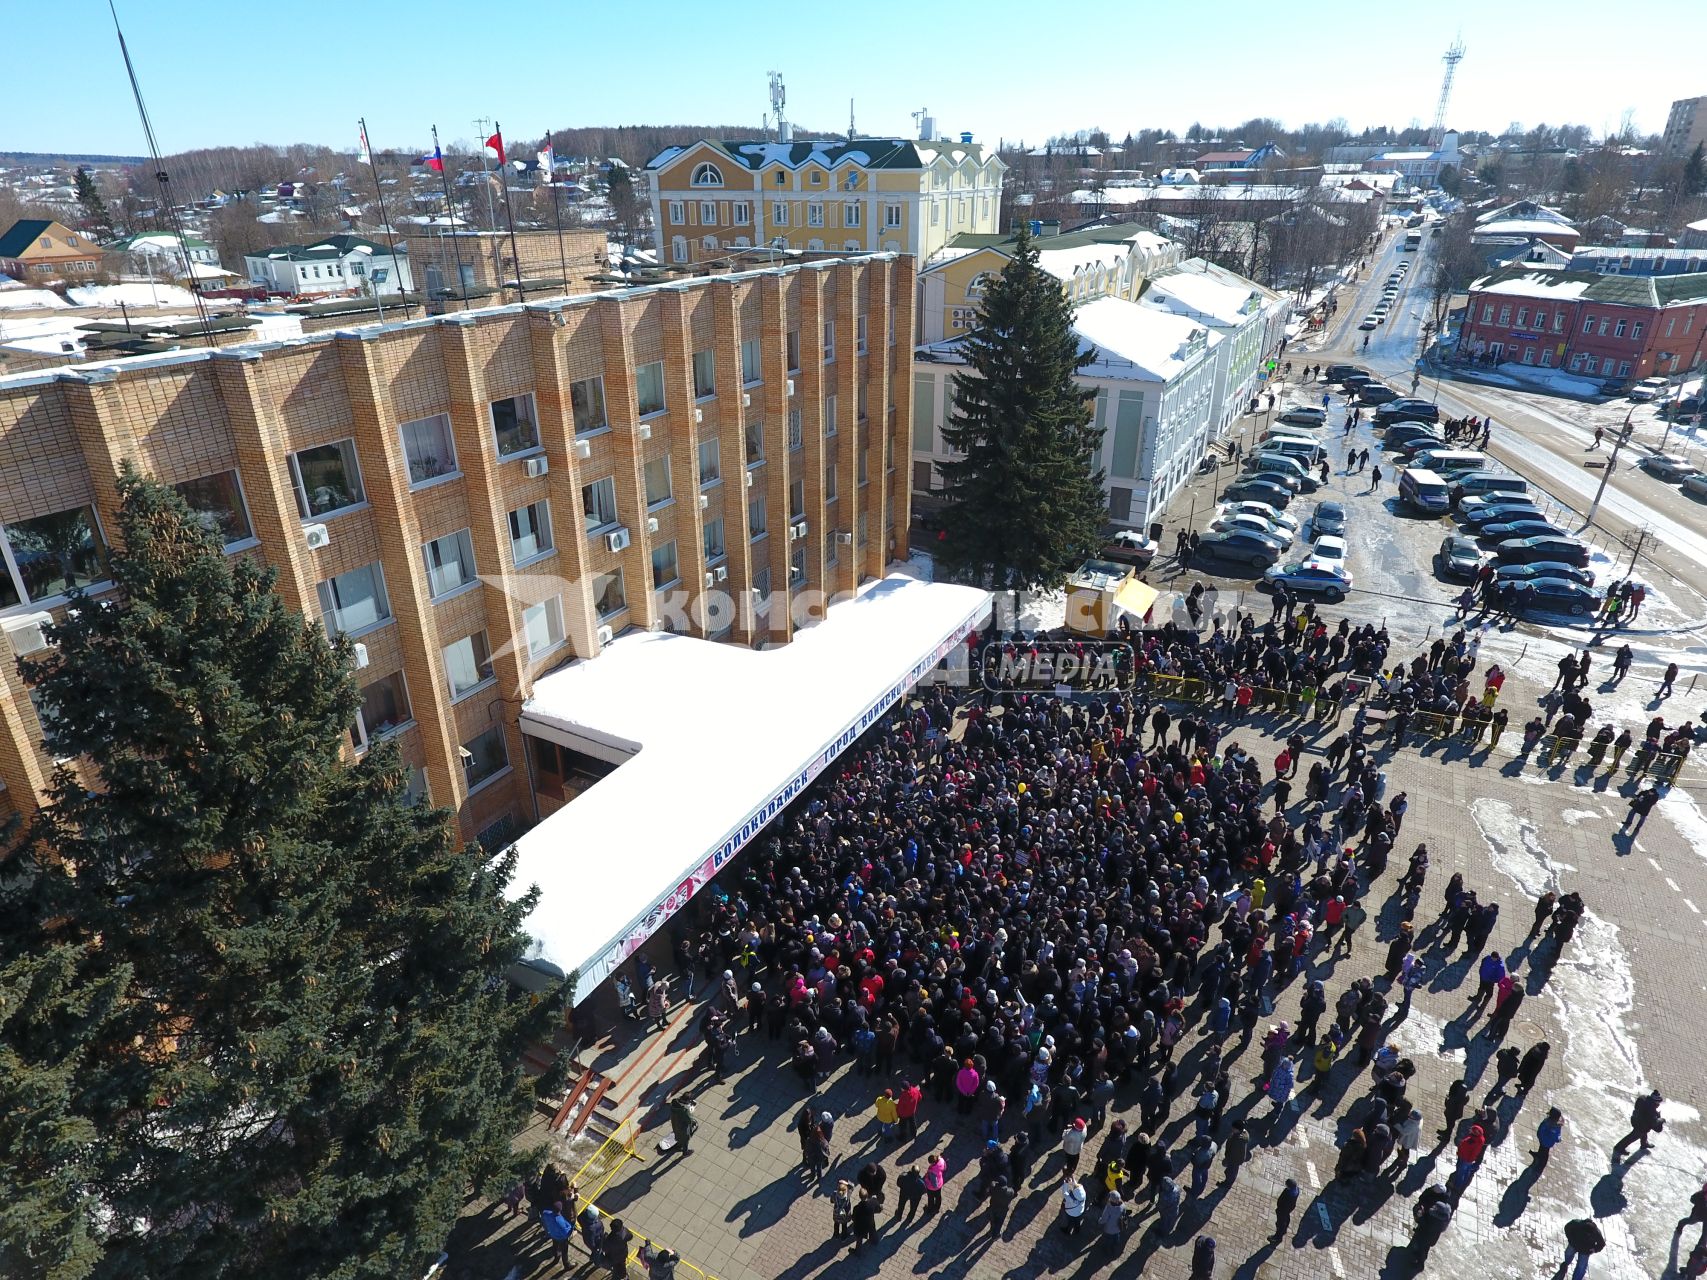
pixel 1606 475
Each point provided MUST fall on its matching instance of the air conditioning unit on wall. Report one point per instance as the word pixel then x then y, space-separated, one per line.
pixel 583 449
pixel 644 431
pixel 606 635
pixel 316 536
pixel 651 524
pixel 24 633
pixel 536 467
pixel 616 540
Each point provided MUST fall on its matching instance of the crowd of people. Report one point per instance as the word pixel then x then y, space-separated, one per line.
pixel 1055 926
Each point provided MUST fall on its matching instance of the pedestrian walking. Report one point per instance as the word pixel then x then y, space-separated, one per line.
pixel 1284 1205
pixel 1583 1239
pixel 1641 805
pixel 1374 478
pixel 1406 1141
pixel 1668 680
pixel 909 1191
pixel 841 1210
pixel 1548 1134
pixel 560 1230
pixel 1645 1119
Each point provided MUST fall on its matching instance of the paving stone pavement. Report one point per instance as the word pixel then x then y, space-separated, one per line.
pixel 738 1206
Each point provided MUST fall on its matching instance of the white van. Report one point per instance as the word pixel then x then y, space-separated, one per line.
pixel 1475 483
pixel 1272 460
pixel 1306 451
pixel 1451 461
pixel 1425 491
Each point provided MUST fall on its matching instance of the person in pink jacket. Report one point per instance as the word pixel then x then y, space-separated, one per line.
pixel 966 1085
pixel 936 1173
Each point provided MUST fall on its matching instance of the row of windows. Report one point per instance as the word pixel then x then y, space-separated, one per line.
pixel 782 212
pixel 1603 326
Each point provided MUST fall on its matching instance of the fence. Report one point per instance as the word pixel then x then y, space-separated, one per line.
pixel 601 1168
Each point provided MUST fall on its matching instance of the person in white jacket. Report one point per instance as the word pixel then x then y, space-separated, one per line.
pixel 1072 1143
pixel 1072 1205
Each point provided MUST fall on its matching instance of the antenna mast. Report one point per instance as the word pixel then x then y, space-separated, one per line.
pixel 1452 57
pixel 779 101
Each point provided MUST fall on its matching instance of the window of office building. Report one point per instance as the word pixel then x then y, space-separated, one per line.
pixel 587 400
pixel 217 501
pixel 713 540
pixel 542 625
pixel 665 572
pixel 49 555
pixel 751 369
pixel 649 388
pixel 486 758
pixel 704 374
pixel 598 501
pixel 449 561
pixel 384 710
pixel 756 516
pixel 468 664
pixel 354 602
pixel 710 462
pixel 609 597
pixel 428 449
pixel 327 479
pixel 515 425
pixel 657 474
pixel 530 532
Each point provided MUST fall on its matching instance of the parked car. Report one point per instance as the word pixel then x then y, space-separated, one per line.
pixel 1410 445
pixel 1399 432
pixel 1375 393
pixel 1678 409
pixel 1329 580
pixel 1303 415
pixel 1330 548
pixel 1239 545
pixel 1369 322
pixel 1486 513
pixel 1407 409
pixel 1543 569
pixel 1473 507
pixel 1274 515
pixel 1328 517
pixel 1696 486
pixel 1129 547
pixel 1253 524
pixel 1668 467
pixel 1531 550
pixel 1352 381
pixel 1340 372
pixel 1526 527
pixel 1614 386
pixel 1458 557
pixel 1284 465
pixel 1266 489
pixel 1557 595
pixel 1648 389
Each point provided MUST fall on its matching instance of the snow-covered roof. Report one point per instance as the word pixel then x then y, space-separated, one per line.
pixel 137 294
pixel 1204 297
pixel 1538 284
pixel 1062 263
pixel 1138 343
pixel 1405 155
pixel 1524 227
pixel 678 713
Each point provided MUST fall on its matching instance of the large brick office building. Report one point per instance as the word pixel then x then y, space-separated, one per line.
pixel 478 498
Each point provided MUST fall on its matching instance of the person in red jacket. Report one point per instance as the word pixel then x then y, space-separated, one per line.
pixel 907 1108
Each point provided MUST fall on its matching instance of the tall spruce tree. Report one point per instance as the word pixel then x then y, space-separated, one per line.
pixel 96 219
pixel 1024 502
pixel 280 988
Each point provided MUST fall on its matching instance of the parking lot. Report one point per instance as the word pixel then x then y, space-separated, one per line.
pixel 1392 549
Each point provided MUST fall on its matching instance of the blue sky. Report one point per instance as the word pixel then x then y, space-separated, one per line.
pixel 218 72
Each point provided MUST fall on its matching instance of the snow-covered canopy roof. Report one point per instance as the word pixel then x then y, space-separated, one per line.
pixel 1139 343
pixel 707 770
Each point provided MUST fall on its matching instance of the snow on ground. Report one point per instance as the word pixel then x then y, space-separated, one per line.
pixel 19 298
pixel 1555 380
pixel 1593 994
pixel 141 294
pixel 1679 807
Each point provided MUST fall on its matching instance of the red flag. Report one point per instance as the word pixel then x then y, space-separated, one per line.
pixel 495 144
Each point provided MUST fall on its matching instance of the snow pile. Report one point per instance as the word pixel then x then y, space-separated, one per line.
pixel 1555 380
pixel 140 294
pixel 18 298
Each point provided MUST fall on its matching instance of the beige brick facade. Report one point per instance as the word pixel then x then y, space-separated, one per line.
pixel 486 257
pixel 247 409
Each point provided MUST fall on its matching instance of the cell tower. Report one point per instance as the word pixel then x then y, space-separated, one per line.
pixel 779 100
pixel 1452 57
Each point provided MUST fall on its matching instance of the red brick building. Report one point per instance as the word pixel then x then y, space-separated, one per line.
pixel 1601 325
